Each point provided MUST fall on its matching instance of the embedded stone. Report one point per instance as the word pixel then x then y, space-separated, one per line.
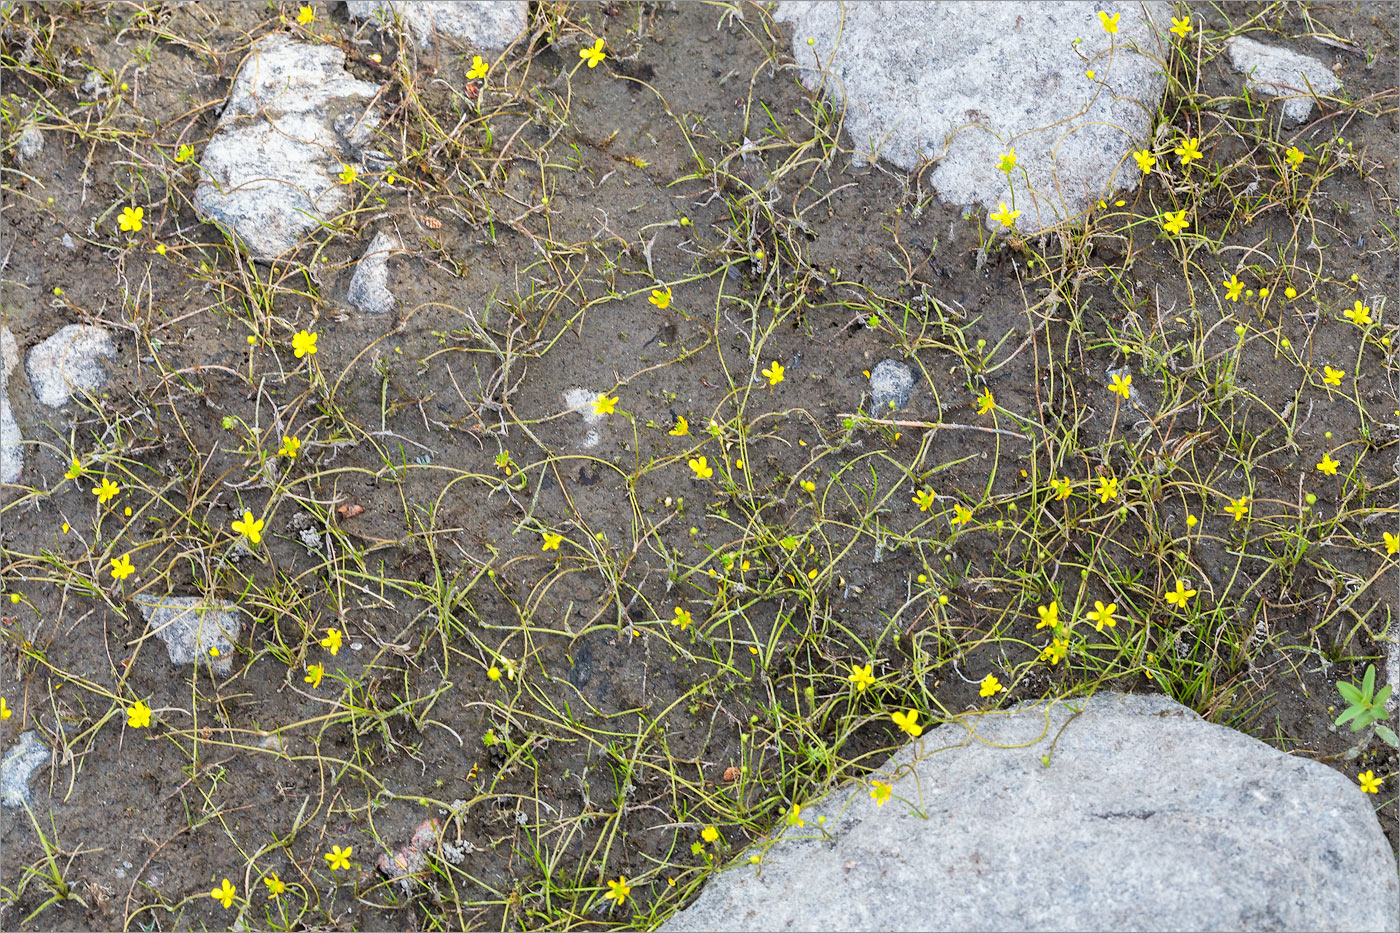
pixel 490 24
pixel 1294 78
pixel 193 629
pixel 891 382
pixel 69 362
pixel 369 287
pixel 295 117
pixel 1118 812
pixel 959 84
pixel 20 762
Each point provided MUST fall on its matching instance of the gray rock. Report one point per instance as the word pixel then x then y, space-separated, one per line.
pixel 19 765
pixel 9 354
pixel 68 362
pixel 890 385
pixel 1275 72
pixel 11 449
pixel 490 24
pixel 369 287
pixel 191 626
pixel 294 117
pixel 1147 818
pixel 30 144
pixel 11 444
pixel 961 82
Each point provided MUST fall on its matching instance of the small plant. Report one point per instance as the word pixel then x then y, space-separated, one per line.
pixel 1366 706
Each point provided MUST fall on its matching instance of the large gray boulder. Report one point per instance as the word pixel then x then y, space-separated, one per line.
pixel 1146 818
pixel 963 82
pixel 294 118
pixel 1274 72
pixel 489 24
pixel 69 362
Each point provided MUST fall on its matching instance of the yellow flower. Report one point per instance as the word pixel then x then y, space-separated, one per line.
pixel 985 402
pixel 130 219
pixel 303 344
pixel 682 427
pixel 1007 218
pixel 306 16
pixel 1332 377
pixel 1102 615
pixel 1061 487
pixel 1108 488
pixel 808 485
pixel 605 404
pixel 990 686
pixel 1180 595
pixel 339 858
pixel 478 69
pixel 880 792
pixel 121 569
pixel 1392 542
pixel 908 722
pixel 1233 287
pixel 593 56
pixel 1358 314
pixel 332 641
pixel 862 677
pixel 1238 507
pixel 682 618
pixel 1109 23
pixel 1119 384
pixel 314 673
pixel 1055 651
pixel 1007 162
pixel 619 889
pixel 961 515
pixel 1175 221
pixel 1328 465
pixel 275 885
pixel 709 834
pixel 1145 160
pixel 774 373
pixel 250 527
pixel 224 894
pixel 160 249
pixel 75 469
pixel 551 541
pixel 1049 615
pixel 290 446
pixel 701 468
pixel 661 297
pixel 106 492
pixel 1188 150
pixel 1294 156
pixel 348 174
pixel 4 708
pixel 138 715
pixel 1181 26
pixel 1370 784
pixel 493 673
pixel 794 817
pixel 184 153
pixel 924 499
